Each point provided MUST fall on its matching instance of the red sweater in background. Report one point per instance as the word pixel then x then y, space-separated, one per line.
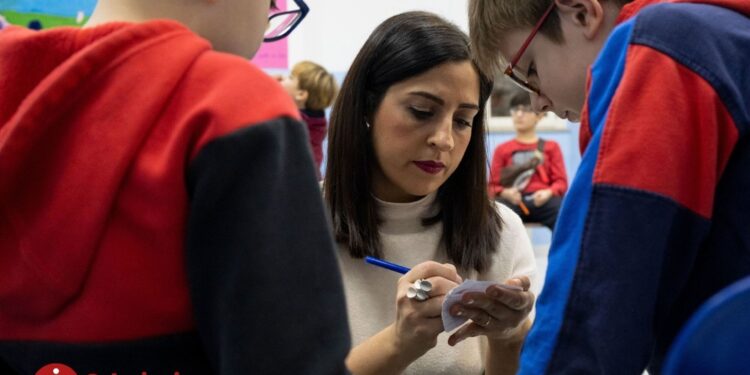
pixel 549 175
pixel 316 127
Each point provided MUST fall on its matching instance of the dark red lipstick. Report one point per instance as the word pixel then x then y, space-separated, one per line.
pixel 429 166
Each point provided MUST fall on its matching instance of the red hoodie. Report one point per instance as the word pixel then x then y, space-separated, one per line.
pixel 134 194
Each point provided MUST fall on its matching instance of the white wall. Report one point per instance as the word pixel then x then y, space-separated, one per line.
pixel 334 30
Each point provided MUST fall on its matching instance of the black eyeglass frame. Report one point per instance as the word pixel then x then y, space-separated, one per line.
pixel 302 11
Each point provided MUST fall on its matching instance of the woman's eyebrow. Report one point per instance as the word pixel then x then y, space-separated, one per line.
pixel 440 101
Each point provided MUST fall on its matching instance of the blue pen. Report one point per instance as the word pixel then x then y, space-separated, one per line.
pixel 387 265
pixel 401 269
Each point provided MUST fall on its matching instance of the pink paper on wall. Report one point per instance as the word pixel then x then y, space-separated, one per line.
pixel 275 54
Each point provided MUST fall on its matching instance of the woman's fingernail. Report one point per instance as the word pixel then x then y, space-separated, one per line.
pixel 470 302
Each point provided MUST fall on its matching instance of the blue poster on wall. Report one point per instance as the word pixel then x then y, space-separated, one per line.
pixel 37 14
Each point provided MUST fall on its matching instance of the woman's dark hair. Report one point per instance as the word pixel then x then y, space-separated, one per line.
pixel 402 47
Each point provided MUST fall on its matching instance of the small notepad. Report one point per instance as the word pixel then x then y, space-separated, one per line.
pixel 451 322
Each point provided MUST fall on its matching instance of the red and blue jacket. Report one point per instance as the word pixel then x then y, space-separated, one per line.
pixel 657 218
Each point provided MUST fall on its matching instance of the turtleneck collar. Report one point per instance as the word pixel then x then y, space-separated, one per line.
pixel 406 217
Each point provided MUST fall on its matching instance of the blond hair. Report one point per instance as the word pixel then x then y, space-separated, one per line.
pixel 320 86
pixel 490 19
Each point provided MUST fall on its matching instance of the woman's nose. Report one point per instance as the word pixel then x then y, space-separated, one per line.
pixel 442 138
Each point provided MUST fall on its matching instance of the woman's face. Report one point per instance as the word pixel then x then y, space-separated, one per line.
pixel 421 130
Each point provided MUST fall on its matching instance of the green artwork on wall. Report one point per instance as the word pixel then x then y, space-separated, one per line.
pixel 38 14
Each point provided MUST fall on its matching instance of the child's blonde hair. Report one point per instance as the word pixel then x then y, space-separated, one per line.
pixel 490 19
pixel 320 86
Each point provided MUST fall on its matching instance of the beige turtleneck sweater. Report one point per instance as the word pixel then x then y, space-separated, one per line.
pixel 371 291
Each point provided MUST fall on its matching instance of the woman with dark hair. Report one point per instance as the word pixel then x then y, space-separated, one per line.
pixel 406 182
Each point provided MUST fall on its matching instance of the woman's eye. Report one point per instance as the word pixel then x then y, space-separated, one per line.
pixel 463 122
pixel 420 114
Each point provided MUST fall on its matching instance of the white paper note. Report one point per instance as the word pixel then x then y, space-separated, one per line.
pixel 451 322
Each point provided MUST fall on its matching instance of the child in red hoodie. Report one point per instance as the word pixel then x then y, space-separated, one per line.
pixel 159 212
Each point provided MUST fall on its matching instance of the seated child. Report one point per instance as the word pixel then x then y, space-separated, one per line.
pixel 528 173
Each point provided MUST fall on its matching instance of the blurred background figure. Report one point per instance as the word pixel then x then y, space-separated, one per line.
pixel 313 89
pixel 528 172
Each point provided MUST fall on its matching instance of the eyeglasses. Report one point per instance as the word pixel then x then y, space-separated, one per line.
pixel 281 24
pixel 520 78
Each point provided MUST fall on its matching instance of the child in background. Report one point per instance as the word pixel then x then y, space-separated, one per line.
pixel 528 173
pixel 313 89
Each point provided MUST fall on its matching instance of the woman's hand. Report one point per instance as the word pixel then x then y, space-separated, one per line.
pixel 499 313
pixel 418 323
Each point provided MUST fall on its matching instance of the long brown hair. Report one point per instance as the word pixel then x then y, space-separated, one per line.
pixel 402 47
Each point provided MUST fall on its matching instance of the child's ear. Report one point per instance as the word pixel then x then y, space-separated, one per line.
pixel 586 14
pixel 301 96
